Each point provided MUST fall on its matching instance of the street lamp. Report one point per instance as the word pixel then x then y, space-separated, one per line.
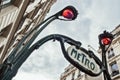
pixel 69 12
pixel 78 56
pixel 10 65
pixel 105 40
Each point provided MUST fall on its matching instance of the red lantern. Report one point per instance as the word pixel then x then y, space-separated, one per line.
pixel 106 41
pixel 68 14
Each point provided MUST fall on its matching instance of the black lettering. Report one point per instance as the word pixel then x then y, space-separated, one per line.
pixel 78 57
pixel 92 65
pixel 87 62
pixel 83 58
pixel 74 53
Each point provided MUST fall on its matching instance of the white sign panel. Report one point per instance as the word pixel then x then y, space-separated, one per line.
pixel 83 59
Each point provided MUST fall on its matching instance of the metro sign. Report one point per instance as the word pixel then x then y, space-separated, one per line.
pixel 80 57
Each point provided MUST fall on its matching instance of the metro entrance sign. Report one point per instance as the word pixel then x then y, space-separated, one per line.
pixel 86 63
pixel 83 59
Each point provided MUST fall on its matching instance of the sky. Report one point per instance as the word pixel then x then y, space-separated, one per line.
pixel 95 16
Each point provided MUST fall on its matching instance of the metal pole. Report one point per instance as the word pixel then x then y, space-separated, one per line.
pixel 12 72
pixel 104 61
pixel 26 36
pixel 32 39
pixel 22 52
pixel 17 54
pixel 104 46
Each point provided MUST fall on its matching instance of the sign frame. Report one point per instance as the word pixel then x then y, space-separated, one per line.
pixel 77 65
pixel 83 59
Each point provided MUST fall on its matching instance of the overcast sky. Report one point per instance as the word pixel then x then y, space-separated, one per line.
pixel 95 16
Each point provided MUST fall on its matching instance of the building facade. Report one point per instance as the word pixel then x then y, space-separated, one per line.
pixel 18 17
pixel 113 55
pixel 113 62
pixel 72 73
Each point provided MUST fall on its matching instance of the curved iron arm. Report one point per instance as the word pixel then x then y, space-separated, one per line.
pixel 44 23
pixel 10 69
pixel 39 28
pixel 70 41
pixel 9 62
pixel 75 63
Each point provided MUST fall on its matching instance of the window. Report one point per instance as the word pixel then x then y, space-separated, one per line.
pixel 111 53
pixel 114 69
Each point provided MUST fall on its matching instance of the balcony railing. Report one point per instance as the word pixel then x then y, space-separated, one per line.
pixel 7 16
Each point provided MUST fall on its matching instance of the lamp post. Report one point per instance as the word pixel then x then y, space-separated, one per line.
pixel 105 40
pixel 16 58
